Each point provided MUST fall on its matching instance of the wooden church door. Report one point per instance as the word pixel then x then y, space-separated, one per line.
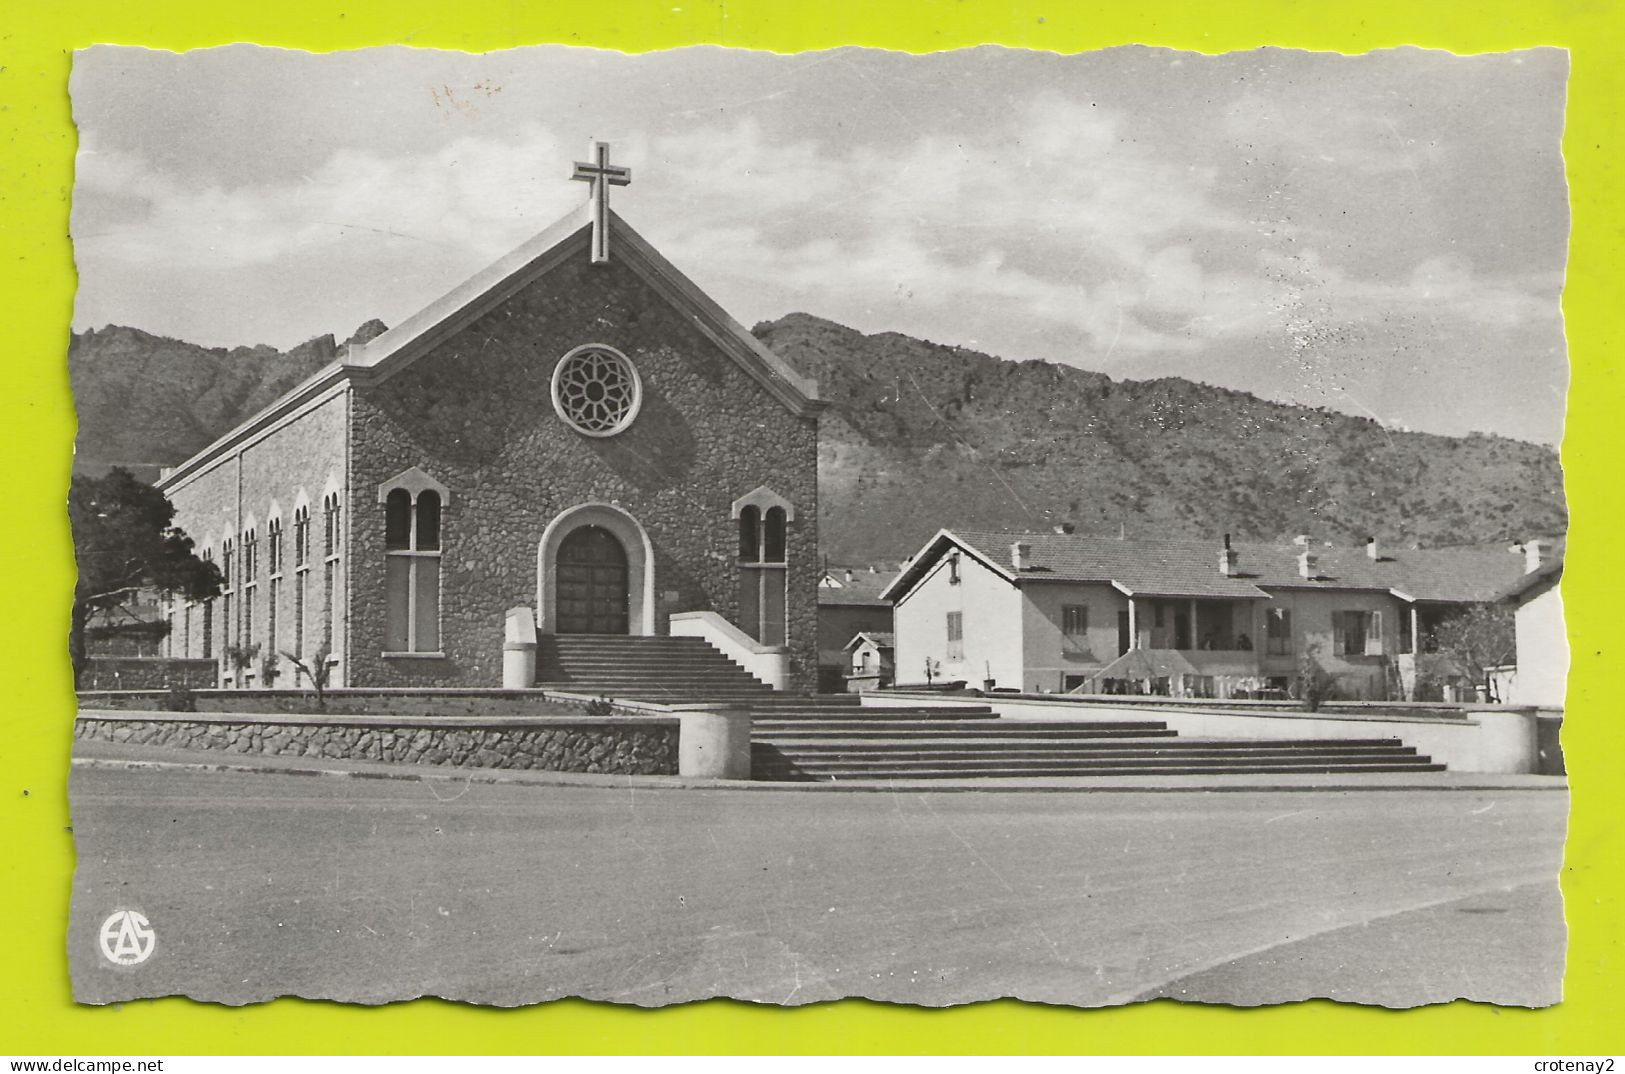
pixel 593 589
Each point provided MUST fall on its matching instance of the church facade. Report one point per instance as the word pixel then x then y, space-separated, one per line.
pixel 578 431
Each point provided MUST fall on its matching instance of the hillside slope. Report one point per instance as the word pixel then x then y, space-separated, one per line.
pixel 147 401
pixel 920 436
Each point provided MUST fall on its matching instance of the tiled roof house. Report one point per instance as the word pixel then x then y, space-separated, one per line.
pixel 1053 611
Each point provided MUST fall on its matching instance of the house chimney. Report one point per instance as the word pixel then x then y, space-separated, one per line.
pixel 1227 559
pixel 1021 555
pixel 1308 562
pixel 1534 552
pixel 849 575
pixel 1064 527
pixel 1372 550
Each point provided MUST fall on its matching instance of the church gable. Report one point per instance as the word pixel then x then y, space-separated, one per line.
pixel 589 361
pixel 568 244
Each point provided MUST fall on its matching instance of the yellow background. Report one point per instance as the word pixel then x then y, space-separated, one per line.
pixel 36 292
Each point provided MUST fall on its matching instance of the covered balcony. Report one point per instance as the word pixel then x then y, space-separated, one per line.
pixel 1183 646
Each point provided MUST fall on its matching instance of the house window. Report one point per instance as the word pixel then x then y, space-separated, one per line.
pixel 956 636
pixel 1357 633
pixel 1278 631
pixel 764 519
pixel 1074 620
pixel 412 570
pixel 953 567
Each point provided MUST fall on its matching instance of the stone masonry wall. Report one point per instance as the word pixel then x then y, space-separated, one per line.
pixel 476 414
pixel 622 748
pixel 146 673
pixel 294 463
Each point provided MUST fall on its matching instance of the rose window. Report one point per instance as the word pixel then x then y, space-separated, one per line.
pixel 596 390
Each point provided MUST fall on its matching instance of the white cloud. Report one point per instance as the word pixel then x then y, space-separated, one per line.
pixel 1056 225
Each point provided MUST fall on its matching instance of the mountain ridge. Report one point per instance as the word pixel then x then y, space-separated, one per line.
pixel 948 436
pixel 921 435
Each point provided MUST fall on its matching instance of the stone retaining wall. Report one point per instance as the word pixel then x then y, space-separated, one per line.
pixel 604 745
pixel 147 673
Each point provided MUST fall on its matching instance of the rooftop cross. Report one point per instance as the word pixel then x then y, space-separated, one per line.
pixel 602 175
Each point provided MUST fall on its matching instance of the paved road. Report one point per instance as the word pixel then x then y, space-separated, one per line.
pixel 369 890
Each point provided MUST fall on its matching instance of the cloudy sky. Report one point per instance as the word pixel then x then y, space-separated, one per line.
pixel 1382 234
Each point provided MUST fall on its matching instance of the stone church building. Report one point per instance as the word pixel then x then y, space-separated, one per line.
pixel 576 434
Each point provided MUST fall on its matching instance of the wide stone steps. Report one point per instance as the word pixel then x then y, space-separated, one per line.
pixel 1042 759
pixel 930 730
pixel 695 683
pixel 771 711
pixel 1028 770
pixel 671 670
pixel 835 737
pixel 848 749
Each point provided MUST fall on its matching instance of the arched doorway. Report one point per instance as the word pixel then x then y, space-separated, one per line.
pixel 593 580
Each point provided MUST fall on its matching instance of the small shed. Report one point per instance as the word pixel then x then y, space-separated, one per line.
pixel 869 660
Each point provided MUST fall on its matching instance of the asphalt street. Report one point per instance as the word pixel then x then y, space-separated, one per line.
pixel 259 885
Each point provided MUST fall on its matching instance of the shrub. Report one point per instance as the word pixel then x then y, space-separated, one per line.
pixel 178 698
pixel 1314 683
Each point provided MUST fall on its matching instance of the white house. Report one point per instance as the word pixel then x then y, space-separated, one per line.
pixel 1543 645
pixel 1055 611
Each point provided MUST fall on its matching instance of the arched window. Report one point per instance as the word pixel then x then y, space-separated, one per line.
pixel 413 503
pixel 273 547
pixel 773 536
pixel 273 589
pixel 250 590
pixel 227 638
pixel 764 517
pixel 330 525
pixel 208 619
pixel 301 536
pixel 398 520
pixel 330 571
pixel 750 535
pixel 301 584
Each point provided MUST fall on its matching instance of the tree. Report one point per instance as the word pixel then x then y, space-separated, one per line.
pixel 124 542
pixel 1477 639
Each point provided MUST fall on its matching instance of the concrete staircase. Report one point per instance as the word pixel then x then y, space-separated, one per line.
pixel 663 669
pixel 833 737
pixel 982 748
